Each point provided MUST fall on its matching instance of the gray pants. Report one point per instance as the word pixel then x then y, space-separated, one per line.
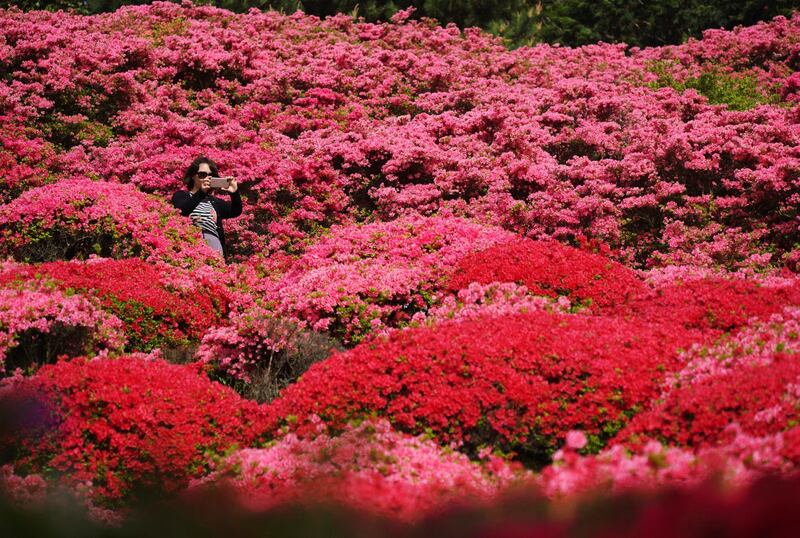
pixel 213 241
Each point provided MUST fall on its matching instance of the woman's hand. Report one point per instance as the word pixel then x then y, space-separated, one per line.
pixel 232 187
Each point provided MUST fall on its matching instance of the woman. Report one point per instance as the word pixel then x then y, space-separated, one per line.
pixel 205 209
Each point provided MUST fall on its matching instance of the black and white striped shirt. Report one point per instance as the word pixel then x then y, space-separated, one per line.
pixel 205 217
pixel 219 210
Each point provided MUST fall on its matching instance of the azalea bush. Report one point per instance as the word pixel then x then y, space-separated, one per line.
pixel 755 344
pixel 26 159
pixel 493 299
pixel 23 490
pixel 76 218
pixel 741 461
pixel 125 426
pixel 454 259
pixel 729 413
pixel 365 278
pixel 160 306
pixel 713 304
pixel 368 467
pixel 39 325
pixel 750 379
pixel 333 121
pixel 762 399
pixel 550 269
pixel 770 502
pixel 259 353
pixel 516 383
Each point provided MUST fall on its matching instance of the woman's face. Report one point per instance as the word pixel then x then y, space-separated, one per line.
pixel 202 179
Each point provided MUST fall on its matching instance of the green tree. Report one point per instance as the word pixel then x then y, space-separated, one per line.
pixel 642 23
pixel 29 5
pixel 519 22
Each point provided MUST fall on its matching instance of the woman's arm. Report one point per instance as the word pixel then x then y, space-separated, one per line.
pixel 230 209
pixel 186 201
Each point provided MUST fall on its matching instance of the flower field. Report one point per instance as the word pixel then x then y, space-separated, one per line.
pixel 468 283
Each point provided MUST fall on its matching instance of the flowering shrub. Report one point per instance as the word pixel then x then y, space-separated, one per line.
pixel 407 188
pixel 335 120
pixel 736 91
pixel 36 326
pixel 495 299
pixel 159 305
pixel 551 269
pixel 752 379
pixel 739 462
pixel 364 278
pixel 711 304
pixel 768 503
pixel 754 345
pixel 262 353
pixel 76 218
pixel 128 424
pixel 368 467
pixel 516 382
pixel 762 399
pixel 791 88
pixel 26 160
pixel 25 490
pixel 676 274
pixel 764 50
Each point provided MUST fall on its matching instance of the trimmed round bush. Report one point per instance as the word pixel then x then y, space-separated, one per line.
pixel 516 383
pixel 365 278
pixel 712 304
pixel 76 218
pixel 160 305
pixel 551 269
pixel 39 325
pixel 260 354
pixel 126 426
pixel 751 379
pixel 761 399
pixel 368 467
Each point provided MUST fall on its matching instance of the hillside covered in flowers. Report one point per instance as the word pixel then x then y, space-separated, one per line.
pixel 461 271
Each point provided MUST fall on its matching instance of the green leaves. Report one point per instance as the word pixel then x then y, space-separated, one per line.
pixel 518 22
pixel 736 91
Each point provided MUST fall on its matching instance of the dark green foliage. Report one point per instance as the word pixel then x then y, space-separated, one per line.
pixel 27 5
pixel 34 348
pixel 519 22
pixel 649 23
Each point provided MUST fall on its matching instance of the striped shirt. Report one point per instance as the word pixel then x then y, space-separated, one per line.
pixel 205 217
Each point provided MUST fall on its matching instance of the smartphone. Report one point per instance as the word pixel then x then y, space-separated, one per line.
pixel 219 182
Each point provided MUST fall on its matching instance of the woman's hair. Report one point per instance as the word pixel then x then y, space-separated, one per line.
pixel 188 176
